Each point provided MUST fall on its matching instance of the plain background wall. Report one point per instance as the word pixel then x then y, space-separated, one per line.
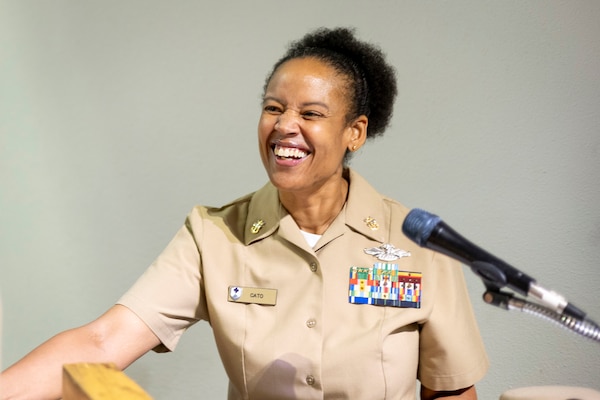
pixel 116 117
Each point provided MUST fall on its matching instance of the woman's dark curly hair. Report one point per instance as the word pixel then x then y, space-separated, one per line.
pixel 371 80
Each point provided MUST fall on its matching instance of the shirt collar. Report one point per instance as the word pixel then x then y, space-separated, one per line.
pixel 364 211
pixel 264 214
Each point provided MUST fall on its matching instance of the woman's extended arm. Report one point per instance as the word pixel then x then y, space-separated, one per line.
pixel 119 336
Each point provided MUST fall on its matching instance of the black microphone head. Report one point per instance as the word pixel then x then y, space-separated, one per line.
pixel 418 225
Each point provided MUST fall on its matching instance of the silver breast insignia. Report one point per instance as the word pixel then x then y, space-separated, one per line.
pixel 387 252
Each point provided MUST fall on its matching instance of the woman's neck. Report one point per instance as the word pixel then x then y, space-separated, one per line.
pixel 314 212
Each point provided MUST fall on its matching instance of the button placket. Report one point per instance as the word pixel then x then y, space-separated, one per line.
pixel 311 321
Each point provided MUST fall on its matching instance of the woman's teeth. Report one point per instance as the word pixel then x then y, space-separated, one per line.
pixel 289 152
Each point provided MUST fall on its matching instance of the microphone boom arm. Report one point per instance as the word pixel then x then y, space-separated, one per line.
pixel 507 301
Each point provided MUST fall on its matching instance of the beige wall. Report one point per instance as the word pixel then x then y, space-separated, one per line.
pixel 116 117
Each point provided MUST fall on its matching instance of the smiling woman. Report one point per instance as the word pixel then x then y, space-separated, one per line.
pixel 309 285
pixel 304 135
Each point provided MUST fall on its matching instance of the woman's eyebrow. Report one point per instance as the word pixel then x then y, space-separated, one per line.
pixel 305 104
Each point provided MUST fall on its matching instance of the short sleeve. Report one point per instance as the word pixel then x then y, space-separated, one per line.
pixel 452 353
pixel 168 297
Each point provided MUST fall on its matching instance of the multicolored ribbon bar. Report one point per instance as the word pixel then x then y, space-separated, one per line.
pixel 384 285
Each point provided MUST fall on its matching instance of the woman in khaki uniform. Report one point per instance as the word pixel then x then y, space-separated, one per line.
pixel 310 287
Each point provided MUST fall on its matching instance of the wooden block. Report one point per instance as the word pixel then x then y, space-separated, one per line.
pixel 86 381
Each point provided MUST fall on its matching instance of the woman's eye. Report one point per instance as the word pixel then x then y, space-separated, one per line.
pixel 271 109
pixel 311 114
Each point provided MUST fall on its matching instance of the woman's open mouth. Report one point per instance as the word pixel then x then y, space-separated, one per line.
pixel 289 153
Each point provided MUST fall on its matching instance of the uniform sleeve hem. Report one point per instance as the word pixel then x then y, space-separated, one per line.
pixel 455 381
pixel 166 336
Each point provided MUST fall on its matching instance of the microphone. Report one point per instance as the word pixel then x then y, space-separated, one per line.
pixel 428 230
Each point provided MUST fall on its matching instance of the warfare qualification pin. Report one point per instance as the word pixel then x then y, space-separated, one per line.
pixel 387 252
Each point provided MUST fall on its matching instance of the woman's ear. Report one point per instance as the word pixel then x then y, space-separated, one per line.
pixel 358 132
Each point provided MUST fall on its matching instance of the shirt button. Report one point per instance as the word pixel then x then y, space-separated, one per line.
pixel 313 266
pixel 310 380
pixel 311 323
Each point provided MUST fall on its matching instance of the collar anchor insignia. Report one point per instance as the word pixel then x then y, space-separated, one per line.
pixel 387 252
pixel 257 226
pixel 371 223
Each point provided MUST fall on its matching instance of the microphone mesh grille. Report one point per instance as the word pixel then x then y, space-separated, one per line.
pixel 418 225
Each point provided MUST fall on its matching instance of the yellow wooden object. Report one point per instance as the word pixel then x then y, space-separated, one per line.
pixel 85 381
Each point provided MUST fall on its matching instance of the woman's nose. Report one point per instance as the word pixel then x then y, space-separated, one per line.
pixel 287 123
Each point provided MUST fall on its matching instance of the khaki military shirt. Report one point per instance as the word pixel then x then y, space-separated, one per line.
pixel 311 341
